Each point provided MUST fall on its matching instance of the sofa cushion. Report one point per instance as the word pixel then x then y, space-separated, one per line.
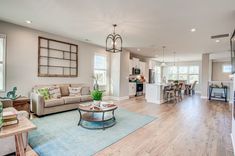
pixel 85 91
pixel 54 102
pixel 86 98
pixel 71 99
pixel 54 92
pixel 64 89
pixel 75 91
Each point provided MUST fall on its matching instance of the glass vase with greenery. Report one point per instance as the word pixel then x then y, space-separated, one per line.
pixel 96 96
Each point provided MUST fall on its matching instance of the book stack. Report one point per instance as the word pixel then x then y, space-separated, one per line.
pixel 9 118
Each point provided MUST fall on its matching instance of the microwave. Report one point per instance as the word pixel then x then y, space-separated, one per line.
pixel 135 71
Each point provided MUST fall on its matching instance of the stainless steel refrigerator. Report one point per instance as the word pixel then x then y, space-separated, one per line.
pixel 151 76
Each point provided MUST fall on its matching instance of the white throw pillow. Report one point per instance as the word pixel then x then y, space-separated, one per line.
pixel 75 91
pixel 54 92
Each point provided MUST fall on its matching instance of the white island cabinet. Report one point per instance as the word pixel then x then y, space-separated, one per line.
pixel 154 93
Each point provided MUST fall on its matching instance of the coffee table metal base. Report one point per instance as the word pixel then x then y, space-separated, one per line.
pixel 96 120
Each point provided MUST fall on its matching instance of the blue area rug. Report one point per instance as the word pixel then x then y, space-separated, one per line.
pixel 59 134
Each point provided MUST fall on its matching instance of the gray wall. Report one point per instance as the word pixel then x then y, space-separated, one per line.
pixel 205 75
pixel 124 76
pixel 22 55
pixel 217 71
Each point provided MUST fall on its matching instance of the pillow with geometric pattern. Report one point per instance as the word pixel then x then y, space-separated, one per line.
pixel 44 92
pixel 54 92
pixel 75 91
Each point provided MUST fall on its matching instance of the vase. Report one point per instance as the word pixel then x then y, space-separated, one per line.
pixel 96 103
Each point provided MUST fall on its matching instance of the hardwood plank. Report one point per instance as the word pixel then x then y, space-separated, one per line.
pixel 192 127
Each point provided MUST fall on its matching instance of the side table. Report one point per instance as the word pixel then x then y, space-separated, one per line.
pixel 22 103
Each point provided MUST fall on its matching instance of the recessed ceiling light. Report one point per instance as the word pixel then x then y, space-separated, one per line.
pixel 138 49
pixel 217 41
pixel 193 30
pixel 28 21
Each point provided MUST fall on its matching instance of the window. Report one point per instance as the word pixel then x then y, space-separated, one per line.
pixel 100 69
pixel 158 73
pixel 172 73
pixel 2 61
pixel 227 68
pixel 187 73
pixel 193 74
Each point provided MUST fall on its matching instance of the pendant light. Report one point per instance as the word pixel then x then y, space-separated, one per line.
pixel 114 42
pixel 163 59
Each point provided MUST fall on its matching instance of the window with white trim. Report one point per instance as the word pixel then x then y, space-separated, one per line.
pixel 100 69
pixel 187 73
pixel 2 61
pixel 158 74
pixel 227 68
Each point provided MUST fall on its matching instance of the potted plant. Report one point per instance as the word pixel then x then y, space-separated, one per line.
pixel 97 96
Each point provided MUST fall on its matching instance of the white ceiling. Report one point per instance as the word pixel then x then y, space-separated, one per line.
pixel 144 24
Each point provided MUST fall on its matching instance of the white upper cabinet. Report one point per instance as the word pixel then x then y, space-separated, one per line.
pixel 136 63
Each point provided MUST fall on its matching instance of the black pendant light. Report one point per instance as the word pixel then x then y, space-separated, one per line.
pixel 114 42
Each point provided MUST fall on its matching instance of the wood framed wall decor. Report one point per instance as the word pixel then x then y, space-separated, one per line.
pixel 57 58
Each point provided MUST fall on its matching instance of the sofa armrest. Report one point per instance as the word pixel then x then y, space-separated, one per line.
pixel 37 104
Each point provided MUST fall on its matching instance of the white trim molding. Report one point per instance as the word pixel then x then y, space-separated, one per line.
pixel 204 97
pixel 232 142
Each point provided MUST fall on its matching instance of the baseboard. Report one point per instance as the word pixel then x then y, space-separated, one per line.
pixel 233 143
pixel 198 92
pixel 204 97
pixel 116 98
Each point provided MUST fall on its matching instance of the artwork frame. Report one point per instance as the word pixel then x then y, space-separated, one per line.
pixel 57 58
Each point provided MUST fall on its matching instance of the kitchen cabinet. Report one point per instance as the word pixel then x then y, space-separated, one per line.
pixel 132 89
pixel 142 68
pixel 135 62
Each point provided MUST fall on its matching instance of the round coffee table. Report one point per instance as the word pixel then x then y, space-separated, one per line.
pixel 96 118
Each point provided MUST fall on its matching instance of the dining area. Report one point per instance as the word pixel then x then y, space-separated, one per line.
pixel 172 91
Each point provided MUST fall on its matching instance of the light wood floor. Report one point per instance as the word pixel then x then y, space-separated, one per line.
pixel 193 127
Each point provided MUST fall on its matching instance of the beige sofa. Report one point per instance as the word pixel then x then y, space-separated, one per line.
pixel 43 107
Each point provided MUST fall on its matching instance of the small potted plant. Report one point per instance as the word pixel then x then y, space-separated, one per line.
pixel 97 97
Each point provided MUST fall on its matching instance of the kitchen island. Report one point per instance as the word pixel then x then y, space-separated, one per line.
pixel 155 93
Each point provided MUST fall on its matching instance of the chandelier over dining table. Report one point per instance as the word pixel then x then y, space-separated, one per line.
pixel 114 42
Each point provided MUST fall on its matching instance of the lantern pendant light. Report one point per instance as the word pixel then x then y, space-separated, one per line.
pixel 115 41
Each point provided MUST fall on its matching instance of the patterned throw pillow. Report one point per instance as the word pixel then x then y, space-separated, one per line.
pixel 44 92
pixel 54 92
pixel 74 91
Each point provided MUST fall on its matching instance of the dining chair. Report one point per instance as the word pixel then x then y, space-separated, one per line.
pixel 192 88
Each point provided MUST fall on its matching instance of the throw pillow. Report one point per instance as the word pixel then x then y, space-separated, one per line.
pixel 85 91
pixel 64 88
pixel 54 92
pixel 44 92
pixel 74 91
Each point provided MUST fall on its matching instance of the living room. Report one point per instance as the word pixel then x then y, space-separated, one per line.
pixel 89 78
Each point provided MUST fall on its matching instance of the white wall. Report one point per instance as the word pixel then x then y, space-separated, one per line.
pixel 119 88
pixel 22 56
